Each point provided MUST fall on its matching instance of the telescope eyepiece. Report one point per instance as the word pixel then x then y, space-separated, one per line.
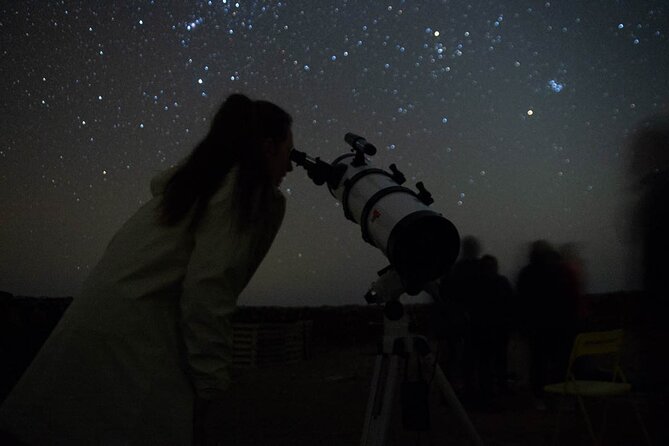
pixel 298 157
pixel 319 171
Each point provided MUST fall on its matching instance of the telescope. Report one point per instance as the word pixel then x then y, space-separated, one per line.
pixel 420 244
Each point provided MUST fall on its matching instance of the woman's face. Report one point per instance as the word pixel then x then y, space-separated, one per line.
pixel 278 159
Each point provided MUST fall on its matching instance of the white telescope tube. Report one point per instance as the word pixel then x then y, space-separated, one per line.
pixel 420 243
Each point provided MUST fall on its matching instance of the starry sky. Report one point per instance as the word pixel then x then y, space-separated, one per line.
pixel 515 115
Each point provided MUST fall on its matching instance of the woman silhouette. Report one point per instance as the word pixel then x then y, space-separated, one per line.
pixel 147 345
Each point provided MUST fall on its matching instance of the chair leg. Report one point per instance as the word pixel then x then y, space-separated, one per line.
pixel 640 419
pixel 587 420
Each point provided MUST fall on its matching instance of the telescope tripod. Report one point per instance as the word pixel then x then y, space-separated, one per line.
pixel 402 350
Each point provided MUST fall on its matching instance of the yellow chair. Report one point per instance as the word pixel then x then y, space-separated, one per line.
pixel 605 344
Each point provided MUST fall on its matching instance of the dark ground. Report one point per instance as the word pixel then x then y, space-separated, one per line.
pixel 321 400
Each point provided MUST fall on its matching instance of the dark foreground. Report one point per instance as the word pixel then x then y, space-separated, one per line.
pixel 321 401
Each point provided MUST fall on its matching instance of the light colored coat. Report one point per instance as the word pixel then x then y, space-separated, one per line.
pixel 150 330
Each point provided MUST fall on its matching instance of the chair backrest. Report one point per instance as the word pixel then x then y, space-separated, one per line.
pixel 597 343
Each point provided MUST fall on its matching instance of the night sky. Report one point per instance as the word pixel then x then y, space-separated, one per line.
pixel 515 115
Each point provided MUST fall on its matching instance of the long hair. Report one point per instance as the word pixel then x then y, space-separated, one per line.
pixel 235 139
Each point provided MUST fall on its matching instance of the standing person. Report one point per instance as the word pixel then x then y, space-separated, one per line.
pixel 458 290
pixel 495 321
pixel 144 352
pixel 546 317
pixel 650 173
pixel 572 265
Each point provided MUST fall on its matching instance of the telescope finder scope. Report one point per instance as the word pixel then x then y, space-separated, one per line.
pixel 360 144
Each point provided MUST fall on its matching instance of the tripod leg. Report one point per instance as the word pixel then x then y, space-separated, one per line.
pixel 449 394
pixel 379 404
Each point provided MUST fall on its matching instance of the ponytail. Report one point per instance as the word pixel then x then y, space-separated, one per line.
pixel 234 139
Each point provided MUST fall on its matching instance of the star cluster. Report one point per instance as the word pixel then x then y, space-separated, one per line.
pixel 514 114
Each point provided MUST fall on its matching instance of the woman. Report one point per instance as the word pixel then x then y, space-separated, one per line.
pixel 147 346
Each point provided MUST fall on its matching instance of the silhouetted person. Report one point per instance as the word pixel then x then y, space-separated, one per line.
pixel 546 316
pixel 143 354
pixel 488 309
pixel 457 290
pixel 572 265
pixel 650 171
pixel 496 316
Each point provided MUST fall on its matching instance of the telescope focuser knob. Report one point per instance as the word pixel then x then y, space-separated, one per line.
pixel 423 194
pixel 397 176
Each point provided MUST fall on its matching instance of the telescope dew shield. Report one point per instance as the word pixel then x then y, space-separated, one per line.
pixel 420 243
